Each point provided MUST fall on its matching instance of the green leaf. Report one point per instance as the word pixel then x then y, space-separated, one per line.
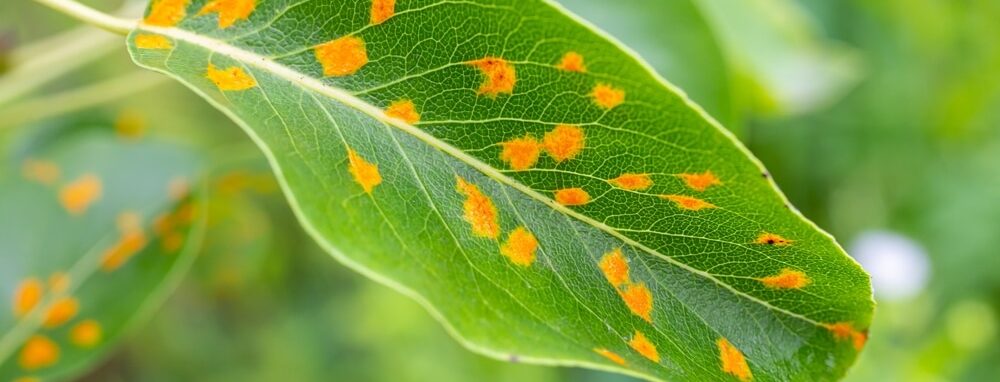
pixel 97 228
pixel 445 151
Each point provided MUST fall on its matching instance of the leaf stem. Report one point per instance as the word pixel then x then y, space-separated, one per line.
pixel 91 16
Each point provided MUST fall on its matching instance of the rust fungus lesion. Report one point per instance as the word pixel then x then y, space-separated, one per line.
pixel 639 300
pixel 767 238
pixel 365 173
pixel 86 334
pixel 845 331
pixel 230 11
pixel 479 210
pixel 41 171
pixel 700 181
pixel 77 196
pixel 786 279
pixel 572 196
pixel 167 13
pixel 607 96
pixel 614 267
pixel 610 355
pixel 499 76
pixel 637 296
pixel 343 56
pixel 689 203
pixel 520 247
pixel 572 62
pixel 131 240
pixel 403 110
pixel 152 42
pixel 232 78
pixel 382 10
pixel 520 153
pixel 61 311
pixel 168 226
pixel 564 142
pixel 732 360
pixel 644 347
pixel 38 352
pixel 632 181
pixel 27 296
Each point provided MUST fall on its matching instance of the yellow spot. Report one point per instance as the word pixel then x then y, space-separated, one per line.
pixel 641 345
pixel 61 311
pixel 166 13
pixel 365 173
pixel 403 110
pixel 767 238
pixel 845 331
pixel 499 76
pixel 787 279
pixel 86 334
pixel 521 153
pixel 229 10
pixel 572 197
pixel 520 247
pixel 607 97
pixel 27 295
pixel 77 196
pixel 152 41
pixel 610 355
pixel 479 210
pixel 634 182
pixel 41 171
pixel 230 79
pixel 639 300
pixel 342 57
pixel 38 352
pixel 700 182
pixel 382 10
pixel 59 282
pixel 733 361
pixel 130 243
pixel 130 125
pixel 614 267
pixel 564 142
pixel 688 202
pixel 178 188
pixel 572 62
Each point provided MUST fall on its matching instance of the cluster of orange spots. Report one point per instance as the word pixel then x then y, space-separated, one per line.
pixel 86 334
pixel 607 97
pixel 520 153
pixel 637 296
pixel 38 352
pixel 403 110
pixel 61 311
pixel 480 212
pixel 342 56
pixel 152 41
pixel 229 11
pixel 27 295
pixel 230 79
pixel 632 182
pixel 787 279
pixel 499 76
pixel 166 227
pixel 610 355
pixel 572 197
pixel 733 361
pixel 688 202
pixel 41 171
pixel 520 247
pixel 166 13
pixel 700 182
pixel 131 241
pixel 572 62
pixel 382 10
pixel 768 238
pixel 845 331
pixel 563 142
pixel 79 194
pixel 644 347
pixel 365 173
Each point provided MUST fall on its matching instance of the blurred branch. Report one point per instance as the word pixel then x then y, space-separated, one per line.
pixel 91 16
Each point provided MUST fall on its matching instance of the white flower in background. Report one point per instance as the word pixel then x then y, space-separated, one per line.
pixel 898 265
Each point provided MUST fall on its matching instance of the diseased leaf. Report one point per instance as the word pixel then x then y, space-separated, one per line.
pixel 535 186
pixel 96 229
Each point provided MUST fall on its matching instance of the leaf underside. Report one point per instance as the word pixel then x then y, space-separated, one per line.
pixel 533 184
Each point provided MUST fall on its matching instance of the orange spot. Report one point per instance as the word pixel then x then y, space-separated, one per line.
pixel 342 57
pixel 607 97
pixel 382 10
pixel 772 239
pixel 27 295
pixel 38 352
pixel 86 334
pixel 610 355
pixel 130 125
pixel 129 244
pixel 230 79
pixel 639 300
pixel 572 197
pixel 520 247
pixel 614 267
pixel 700 182
pixel 152 41
pixel 178 188
pixel 634 182
pixel 479 210
pixel 572 62
pixel 688 202
pixel 520 153
pixel 229 10
pixel 787 279
pixel 641 345
pixel 499 76
pixel 845 331
pixel 564 142
pixel 61 311
pixel 77 196
pixel 167 13
pixel 733 361
pixel 41 171
pixel 365 173
pixel 403 110
pixel 59 282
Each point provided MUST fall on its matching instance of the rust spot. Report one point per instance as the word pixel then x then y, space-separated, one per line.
pixel 633 182
pixel 614 267
pixel 787 279
pixel 342 57
pixel 607 97
pixel 132 241
pixel 230 79
pixel 688 202
pixel 41 171
pixel 152 41
pixel 86 334
pixel 78 195
pixel 27 295
pixel 403 110
pixel 520 247
pixel 365 173
pixel 844 331
pixel 643 346
pixel 572 62
pixel 480 212
pixel 230 11
pixel 610 355
pixel 564 142
pixel 38 352
pixel 572 197
pixel 61 311
pixel 167 13
pixel 639 300
pixel 499 76
pixel 768 238
pixel 520 153
pixel 382 10
pixel 700 182
pixel 59 282
pixel 733 361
